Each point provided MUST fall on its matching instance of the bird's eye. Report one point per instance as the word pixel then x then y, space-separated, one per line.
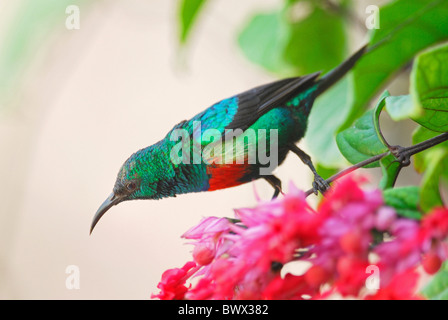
pixel 131 186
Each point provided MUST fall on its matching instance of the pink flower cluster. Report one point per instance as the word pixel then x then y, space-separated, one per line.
pixel 350 231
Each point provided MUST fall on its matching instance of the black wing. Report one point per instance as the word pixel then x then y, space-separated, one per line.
pixel 253 103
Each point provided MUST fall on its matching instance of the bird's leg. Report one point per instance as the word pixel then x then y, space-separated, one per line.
pixel 275 183
pixel 319 184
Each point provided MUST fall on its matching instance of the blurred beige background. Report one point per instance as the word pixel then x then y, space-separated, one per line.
pixel 90 98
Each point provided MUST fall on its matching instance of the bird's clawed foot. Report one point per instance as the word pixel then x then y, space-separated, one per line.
pixel 276 184
pixel 276 193
pixel 320 185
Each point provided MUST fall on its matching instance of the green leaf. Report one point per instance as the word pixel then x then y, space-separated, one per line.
pixel 402 107
pixel 188 13
pixel 430 190
pixel 429 88
pixel 404 200
pixel 317 42
pixel 276 42
pixel 264 40
pixel 361 141
pixel 411 26
pixel 437 288
pixel 390 168
pixel 328 113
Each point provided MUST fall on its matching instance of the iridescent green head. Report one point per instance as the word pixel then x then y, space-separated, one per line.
pixel 138 178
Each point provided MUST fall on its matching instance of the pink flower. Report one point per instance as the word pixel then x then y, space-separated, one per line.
pixel 273 231
pixel 351 275
pixel 411 242
pixel 345 235
pixel 316 275
pixel 435 223
pixel 172 286
pixel 402 287
pixel 433 232
pixel 431 262
pixel 241 258
pixel 288 288
pixel 400 253
pixel 204 253
pixel 209 241
pixel 208 227
pixel 384 219
pixel 203 290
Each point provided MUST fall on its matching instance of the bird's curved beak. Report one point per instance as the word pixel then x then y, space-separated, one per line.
pixel 107 204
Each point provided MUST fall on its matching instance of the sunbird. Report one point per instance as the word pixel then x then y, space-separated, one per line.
pixel 263 123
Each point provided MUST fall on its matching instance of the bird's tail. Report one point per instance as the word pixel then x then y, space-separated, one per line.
pixel 337 73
